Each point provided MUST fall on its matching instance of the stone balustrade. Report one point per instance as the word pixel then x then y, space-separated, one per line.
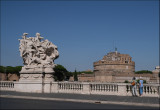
pixel 7 85
pixel 69 87
pixel 120 89
pixel 104 88
pixel 149 90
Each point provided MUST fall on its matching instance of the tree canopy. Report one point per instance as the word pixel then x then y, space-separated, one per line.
pixel 143 72
pixel 61 73
pixel 10 69
pixel 2 69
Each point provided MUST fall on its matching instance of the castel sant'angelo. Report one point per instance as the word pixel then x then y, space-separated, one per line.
pixel 113 64
pixel 116 67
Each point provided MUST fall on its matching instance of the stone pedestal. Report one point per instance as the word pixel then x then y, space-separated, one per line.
pixel 31 73
pixel 86 88
pixel 36 77
pixel 29 86
pixel 122 89
pixel 34 80
pixel 34 83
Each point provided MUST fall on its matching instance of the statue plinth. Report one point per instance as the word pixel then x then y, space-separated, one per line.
pixel 37 70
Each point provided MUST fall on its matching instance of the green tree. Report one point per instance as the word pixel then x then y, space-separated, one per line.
pixel 68 75
pixel 61 73
pixel 11 70
pixel 126 81
pixel 86 72
pixel 17 69
pixel 75 76
pixel 144 81
pixel 2 69
pixel 143 71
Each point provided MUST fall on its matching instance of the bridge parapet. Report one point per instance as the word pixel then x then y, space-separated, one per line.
pixel 120 89
pixel 7 85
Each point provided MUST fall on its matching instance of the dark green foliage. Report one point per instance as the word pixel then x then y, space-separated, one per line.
pixel 86 72
pixel 2 69
pixel 80 72
pixel 126 81
pixel 17 69
pixel 137 80
pixel 68 75
pixel 10 69
pixel 143 72
pixel 144 81
pixel 75 76
pixel 61 73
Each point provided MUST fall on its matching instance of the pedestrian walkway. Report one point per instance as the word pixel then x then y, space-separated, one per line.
pixel 103 99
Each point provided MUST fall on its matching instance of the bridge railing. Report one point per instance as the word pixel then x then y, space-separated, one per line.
pixel 123 89
pixel 104 88
pixel 150 90
pixel 7 85
pixel 120 89
pixel 70 87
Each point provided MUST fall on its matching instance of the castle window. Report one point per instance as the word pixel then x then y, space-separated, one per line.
pixel 126 61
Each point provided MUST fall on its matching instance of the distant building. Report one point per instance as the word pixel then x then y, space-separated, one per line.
pixel 157 70
pixel 84 78
pixel 3 77
pixel 11 77
pixel 113 64
pixel 156 73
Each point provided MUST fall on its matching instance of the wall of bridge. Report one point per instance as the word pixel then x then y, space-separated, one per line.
pixel 119 89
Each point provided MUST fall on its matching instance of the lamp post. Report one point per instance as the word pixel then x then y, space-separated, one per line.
pixel 43 76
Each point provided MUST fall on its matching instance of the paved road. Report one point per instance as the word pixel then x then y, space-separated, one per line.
pixel 130 99
pixel 15 103
pixel 106 101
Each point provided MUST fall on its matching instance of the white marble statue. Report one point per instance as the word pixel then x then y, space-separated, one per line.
pixel 38 54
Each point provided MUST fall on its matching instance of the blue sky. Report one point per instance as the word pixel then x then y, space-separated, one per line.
pixel 84 31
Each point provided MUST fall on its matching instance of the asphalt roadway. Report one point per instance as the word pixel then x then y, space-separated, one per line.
pixel 16 103
pixel 19 100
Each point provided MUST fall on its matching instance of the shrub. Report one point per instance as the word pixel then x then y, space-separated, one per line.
pixel 144 81
pixel 143 71
pixel 126 81
pixel 61 73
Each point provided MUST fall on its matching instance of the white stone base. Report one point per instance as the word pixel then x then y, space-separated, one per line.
pixel 33 86
pixel 34 82
pixel 32 69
